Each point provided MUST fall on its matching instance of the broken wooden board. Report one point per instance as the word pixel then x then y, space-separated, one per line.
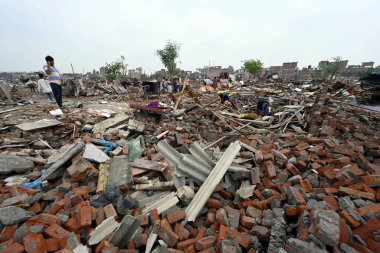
pixel 148 165
pixel 39 124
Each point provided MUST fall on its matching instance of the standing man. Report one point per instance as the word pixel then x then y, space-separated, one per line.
pixel 55 79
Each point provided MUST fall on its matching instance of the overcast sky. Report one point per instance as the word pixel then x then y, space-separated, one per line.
pixel 89 33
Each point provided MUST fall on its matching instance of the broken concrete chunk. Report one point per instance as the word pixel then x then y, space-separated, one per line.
pixel 118 119
pixel 12 163
pixel 103 230
pixel 93 154
pixel 327 226
pixel 42 123
pixel 13 215
pixel 119 173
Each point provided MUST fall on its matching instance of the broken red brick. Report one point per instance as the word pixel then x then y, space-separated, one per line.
pixel 214 203
pixel 34 243
pixel 52 244
pixel 109 211
pixel 181 231
pixel 205 243
pixel 56 231
pixel 7 233
pixel 85 216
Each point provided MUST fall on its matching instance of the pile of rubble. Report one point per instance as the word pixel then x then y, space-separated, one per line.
pixel 193 178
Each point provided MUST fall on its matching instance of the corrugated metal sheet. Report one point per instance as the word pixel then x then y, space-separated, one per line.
pixel 211 182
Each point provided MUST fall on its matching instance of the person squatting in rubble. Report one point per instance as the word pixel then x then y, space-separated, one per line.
pixel 263 107
pixel 44 87
pixel 54 79
pixel 225 95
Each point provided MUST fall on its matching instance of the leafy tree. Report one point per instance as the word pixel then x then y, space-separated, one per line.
pixel 116 70
pixel 254 67
pixel 334 67
pixel 168 55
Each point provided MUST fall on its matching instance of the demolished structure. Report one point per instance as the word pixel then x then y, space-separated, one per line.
pixel 186 174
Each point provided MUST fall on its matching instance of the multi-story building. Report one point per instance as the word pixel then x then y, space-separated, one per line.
pixel 289 71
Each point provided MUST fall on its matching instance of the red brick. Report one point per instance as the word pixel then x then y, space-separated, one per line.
pixel 373 245
pixel 270 169
pixel 205 243
pixel 300 164
pixel 210 218
pixel 34 243
pixel 7 233
pixel 371 180
pixel 306 185
pixel 109 211
pixel 328 143
pixel 176 216
pixel 344 234
pixel 85 216
pixel 185 244
pixel 100 216
pixel 56 207
pixel 361 248
pixel 259 157
pixel 71 224
pixel 52 244
pixel 76 199
pixel 167 235
pixel 14 248
pixel 82 192
pixel 316 166
pixel 370 209
pixel 302 146
pixel 200 234
pixel 365 231
pixel 353 223
pixel 56 231
pixel 153 216
pixel 332 202
pixel 214 203
pixel 342 160
pixel 247 221
pixel 36 208
pixel 181 231
pixel 48 219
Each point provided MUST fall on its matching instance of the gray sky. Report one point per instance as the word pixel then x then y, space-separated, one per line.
pixel 89 33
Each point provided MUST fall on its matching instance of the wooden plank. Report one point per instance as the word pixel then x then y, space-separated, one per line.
pixel 148 165
pixel 102 177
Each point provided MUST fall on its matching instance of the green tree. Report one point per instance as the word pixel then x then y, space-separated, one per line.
pixel 334 67
pixel 254 67
pixel 168 56
pixel 116 70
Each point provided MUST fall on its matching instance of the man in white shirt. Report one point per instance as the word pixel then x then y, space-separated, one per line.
pixel 44 87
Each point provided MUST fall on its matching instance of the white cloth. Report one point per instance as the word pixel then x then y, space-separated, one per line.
pixel 44 86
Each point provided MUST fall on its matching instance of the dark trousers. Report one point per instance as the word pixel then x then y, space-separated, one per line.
pixel 57 91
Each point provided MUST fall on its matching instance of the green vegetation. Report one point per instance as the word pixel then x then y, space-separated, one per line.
pixel 168 56
pixel 254 67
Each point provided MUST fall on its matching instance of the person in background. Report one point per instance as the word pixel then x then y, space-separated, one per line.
pixel 166 85
pixel 175 81
pixel 54 79
pixel 263 107
pixel 44 87
pixel 32 85
pixel 225 95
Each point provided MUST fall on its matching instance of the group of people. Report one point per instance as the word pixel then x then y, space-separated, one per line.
pixel 166 83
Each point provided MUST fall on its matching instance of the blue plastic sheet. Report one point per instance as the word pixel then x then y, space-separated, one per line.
pixel 107 144
pixel 36 184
